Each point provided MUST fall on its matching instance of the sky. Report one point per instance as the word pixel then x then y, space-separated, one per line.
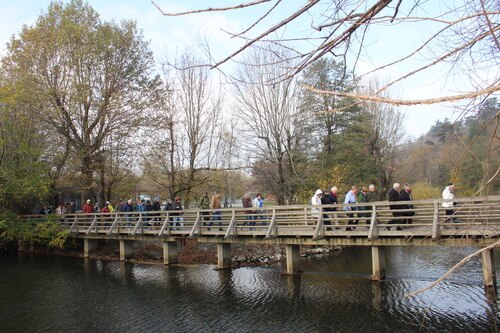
pixel 170 35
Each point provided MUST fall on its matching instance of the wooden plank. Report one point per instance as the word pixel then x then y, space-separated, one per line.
pixel 435 222
pixel 113 224
pixel 74 225
pixel 231 228
pixel 196 225
pixel 318 231
pixel 138 224
pixel 165 226
pixel 92 225
pixel 272 230
pixel 373 232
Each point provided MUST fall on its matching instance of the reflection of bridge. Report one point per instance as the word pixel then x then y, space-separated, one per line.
pixel 475 222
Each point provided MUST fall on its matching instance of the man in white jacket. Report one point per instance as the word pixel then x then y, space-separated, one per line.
pixel 316 201
pixel 448 203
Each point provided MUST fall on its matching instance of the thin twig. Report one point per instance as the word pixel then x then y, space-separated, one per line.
pixel 205 10
pixel 451 270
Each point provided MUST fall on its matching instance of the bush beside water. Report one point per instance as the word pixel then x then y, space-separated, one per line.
pixel 45 232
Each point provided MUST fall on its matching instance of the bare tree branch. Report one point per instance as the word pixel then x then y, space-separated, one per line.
pixel 472 94
pixel 455 267
pixel 205 10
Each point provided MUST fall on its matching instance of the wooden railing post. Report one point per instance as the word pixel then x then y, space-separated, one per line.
pixel 74 225
pixel 272 231
pixel 435 222
pixel 231 227
pixel 195 225
pixel 318 231
pixel 138 224
pixel 110 231
pixel 165 226
pixel 373 233
pixel 94 221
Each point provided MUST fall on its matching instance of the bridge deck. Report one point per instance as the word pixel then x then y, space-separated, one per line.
pixel 478 218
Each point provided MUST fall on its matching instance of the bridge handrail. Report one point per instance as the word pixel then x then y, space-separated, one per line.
pixel 472 201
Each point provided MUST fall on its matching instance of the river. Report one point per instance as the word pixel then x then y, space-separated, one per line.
pixel 334 294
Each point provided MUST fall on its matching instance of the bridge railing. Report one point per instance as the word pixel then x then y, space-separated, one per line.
pixel 424 218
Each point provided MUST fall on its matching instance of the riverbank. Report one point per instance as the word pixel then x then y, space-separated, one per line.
pixel 190 252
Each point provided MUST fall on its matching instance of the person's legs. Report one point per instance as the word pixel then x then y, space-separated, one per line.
pixel 350 221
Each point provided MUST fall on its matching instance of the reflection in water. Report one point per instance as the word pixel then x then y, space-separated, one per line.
pixel 377 295
pixel 333 294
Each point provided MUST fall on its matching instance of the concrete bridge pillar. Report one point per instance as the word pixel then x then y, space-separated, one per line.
pixel 170 252
pixel 488 265
pixel 223 255
pixel 89 246
pixel 292 259
pixel 126 249
pixel 378 263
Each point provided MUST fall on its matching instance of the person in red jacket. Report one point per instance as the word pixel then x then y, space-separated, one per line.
pixel 87 208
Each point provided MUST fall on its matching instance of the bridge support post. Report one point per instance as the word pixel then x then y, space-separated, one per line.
pixel 292 259
pixel 170 252
pixel 126 249
pixel 89 246
pixel 223 255
pixel 378 263
pixel 488 265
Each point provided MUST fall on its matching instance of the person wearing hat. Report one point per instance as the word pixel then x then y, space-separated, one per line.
pixel 316 201
pixel 87 208
pixel 110 207
pixel 405 195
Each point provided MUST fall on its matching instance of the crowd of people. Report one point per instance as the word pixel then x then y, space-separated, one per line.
pixel 352 206
pixel 355 210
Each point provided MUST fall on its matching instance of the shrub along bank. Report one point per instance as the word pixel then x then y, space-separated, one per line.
pixel 15 231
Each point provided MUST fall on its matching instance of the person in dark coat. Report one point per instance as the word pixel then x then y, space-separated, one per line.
pixel 156 208
pixel 177 216
pixel 364 210
pixel 247 203
pixel 394 196
pixel 405 195
pixel 326 199
pixel 127 207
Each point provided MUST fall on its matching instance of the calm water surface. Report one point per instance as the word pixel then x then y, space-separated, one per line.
pixel 334 294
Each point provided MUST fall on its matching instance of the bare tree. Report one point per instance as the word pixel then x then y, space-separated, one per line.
pixel 188 121
pixel 270 117
pixel 385 134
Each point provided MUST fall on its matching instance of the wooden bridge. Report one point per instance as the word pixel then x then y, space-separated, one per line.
pixel 474 222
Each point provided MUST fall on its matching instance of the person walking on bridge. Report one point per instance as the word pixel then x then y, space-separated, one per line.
pixel 177 216
pixel 405 195
pixel 350 198
pixel 394 196
pixel 333 199
pixel 87 208
pixel 316 202
pixel 205 205
pixel 216 205
pixel 363 198
pixel 247 203
pixel 448 203
pixel 258 203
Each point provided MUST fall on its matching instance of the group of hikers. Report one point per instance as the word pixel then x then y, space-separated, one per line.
pixel 353 206
pixel 355 210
